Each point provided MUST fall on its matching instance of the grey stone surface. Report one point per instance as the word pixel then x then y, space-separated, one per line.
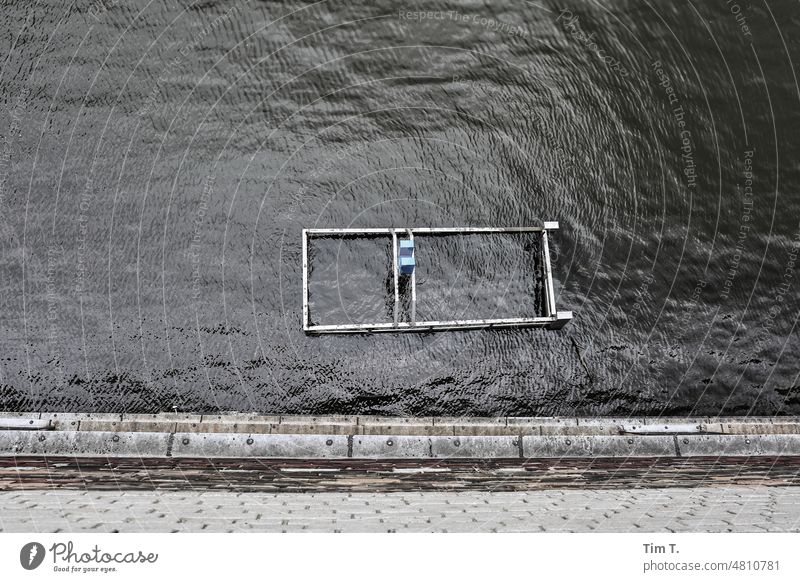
pixel 317 425
pixel 239 434
pixel 419 426
pixel 492 447
pixel 744 445
pixel 597 446
pixel 235 444
pixel 412 426
pixel 391 447
pixel 712 509
pixel 609 426
pixel 139 444
pixel 14 423
pixel 653 446
pixel 259 445
pixel 440 447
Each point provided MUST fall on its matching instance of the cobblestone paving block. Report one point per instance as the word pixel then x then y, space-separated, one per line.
pixel 717 509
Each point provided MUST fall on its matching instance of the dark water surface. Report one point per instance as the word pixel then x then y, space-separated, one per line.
pixel 159 160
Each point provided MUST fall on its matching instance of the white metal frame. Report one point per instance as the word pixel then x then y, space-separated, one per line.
pixel 553 318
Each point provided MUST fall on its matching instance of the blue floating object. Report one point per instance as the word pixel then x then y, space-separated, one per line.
pixel 406 262
pixel 406 248
pixel 407 265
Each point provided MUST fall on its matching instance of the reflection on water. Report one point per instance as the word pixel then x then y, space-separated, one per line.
pixel 159 161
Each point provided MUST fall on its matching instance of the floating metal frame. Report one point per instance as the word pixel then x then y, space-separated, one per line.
pixel 553 318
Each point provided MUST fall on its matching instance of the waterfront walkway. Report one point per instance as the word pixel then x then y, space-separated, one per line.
pixel 707 509
pixel 236 472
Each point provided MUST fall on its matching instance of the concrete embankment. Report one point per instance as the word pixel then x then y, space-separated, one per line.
pixel 181 435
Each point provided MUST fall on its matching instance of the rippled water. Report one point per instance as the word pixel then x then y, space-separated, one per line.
pixel 159 160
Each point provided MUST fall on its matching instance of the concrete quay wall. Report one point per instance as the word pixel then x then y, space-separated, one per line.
pixel 334 437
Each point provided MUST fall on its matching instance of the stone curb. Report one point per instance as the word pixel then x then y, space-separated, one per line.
pixel 219 445
pixel 371 437
pixel 242 423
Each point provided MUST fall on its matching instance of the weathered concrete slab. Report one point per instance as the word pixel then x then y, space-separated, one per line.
pixel 476 426
pixel 69 416
pixel 194 444
pixel 672 420
pixel 662 428
pixel 607 426
pixel 314 419
pixel 651 446
pixel 92 424
pixel 542 420
pixel 712 428
pixel 164 416
pixel 75 443
pixel 555 446
pixel 234 427
pixel 739 445
pixel 259 445
pixel 543 425
pixel 401 426
pixel 756 419
pixel 597 446
pixel 479 429
pixel 395 437
pixel 234 422
pixel 476 447
pixel 391 447
pixel 341 425
pixel 71 421
pixel 240 417
pixel 467 420
pixel 24 423
pixel 425 426
pixel 776 427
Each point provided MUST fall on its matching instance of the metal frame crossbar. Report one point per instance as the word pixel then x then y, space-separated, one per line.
pixel 553 319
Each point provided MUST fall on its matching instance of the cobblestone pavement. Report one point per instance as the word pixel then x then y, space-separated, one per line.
pixel 714 509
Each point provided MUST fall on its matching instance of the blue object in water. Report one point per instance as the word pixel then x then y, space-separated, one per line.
pixel 406 260
pixel 406 265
